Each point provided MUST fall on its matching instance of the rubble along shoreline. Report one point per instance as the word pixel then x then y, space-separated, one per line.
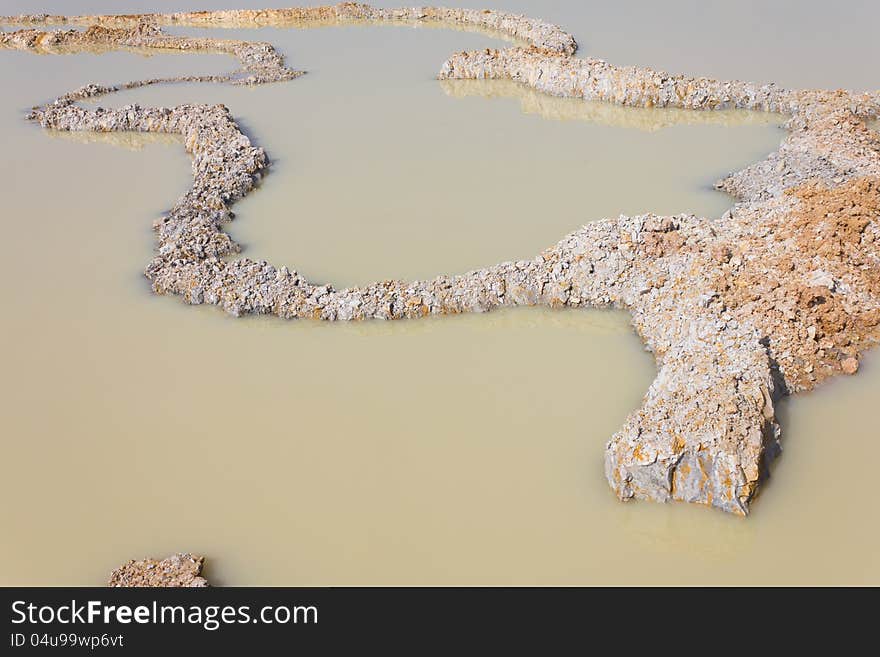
pixel 780 293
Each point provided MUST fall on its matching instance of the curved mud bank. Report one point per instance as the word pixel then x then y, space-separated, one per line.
pixel 779 294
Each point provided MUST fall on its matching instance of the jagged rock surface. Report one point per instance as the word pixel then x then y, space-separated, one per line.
pixel 178 570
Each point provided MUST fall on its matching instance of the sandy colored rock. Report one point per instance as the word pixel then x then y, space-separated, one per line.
pixel 777 295
pixel 178 570
pixel 850 365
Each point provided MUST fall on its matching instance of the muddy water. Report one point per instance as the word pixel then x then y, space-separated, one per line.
pixel 427 177
pixel 458 450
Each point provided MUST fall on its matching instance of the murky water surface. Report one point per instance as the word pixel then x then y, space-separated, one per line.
pixel 451 450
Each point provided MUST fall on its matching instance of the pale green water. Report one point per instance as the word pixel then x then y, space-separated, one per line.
pixel 453 450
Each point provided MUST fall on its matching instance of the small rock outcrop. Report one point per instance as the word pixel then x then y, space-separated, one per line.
pixel 178 570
